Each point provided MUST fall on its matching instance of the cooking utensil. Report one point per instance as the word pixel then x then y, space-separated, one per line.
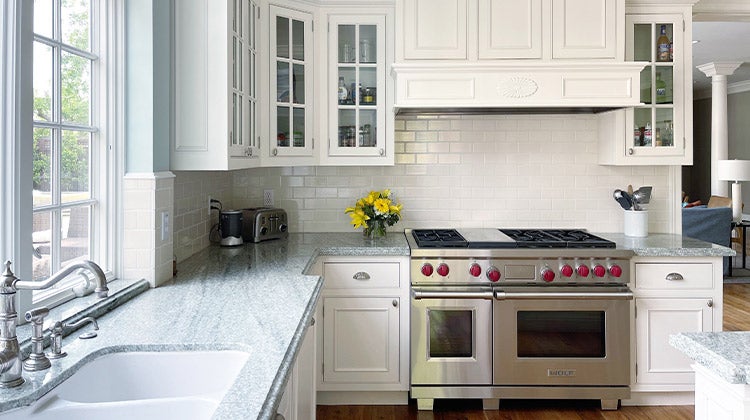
pixel 623 198
pixel 646 194
pixel 641 196
pixel 630 190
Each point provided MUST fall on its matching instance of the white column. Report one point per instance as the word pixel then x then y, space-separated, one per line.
pixel 718 73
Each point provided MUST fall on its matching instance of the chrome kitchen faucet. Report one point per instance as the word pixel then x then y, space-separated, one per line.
pixel 10 357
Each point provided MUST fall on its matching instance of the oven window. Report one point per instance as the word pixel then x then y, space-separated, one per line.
pixel 451 333
pixel 561 334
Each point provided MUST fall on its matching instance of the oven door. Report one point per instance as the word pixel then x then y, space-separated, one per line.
pixel 562 336
pixel 450 336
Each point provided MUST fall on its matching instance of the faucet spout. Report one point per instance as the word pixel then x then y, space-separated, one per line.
pixel 101 280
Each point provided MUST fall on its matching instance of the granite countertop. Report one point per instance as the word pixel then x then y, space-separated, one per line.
pixel 724 353
pixel 255 298
pixel 668 245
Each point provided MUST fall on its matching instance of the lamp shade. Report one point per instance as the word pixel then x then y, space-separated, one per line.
pixel 734 170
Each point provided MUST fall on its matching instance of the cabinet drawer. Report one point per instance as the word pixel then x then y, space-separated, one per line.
pixel 361 275
pixel 693 276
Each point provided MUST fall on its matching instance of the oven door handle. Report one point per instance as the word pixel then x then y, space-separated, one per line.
pixel 550 295
pixel 419 294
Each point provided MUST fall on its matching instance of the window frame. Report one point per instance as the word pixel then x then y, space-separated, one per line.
pixel 107 158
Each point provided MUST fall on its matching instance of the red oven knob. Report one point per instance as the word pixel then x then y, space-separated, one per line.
pixel 443 269
pixel 548 275
pixel 599 271
pixel 615 270
pixel 427 269
pixel 566 270
pixel 583 270
pixel 475 270
pixel 493 274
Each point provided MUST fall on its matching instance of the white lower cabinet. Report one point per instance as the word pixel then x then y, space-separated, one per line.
pixel 672 295
pixel 363 346
pixel 298 401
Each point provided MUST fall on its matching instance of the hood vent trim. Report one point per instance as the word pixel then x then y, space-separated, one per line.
pixel 540 87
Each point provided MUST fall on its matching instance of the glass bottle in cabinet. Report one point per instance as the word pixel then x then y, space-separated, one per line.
pixel 357 85
pixel 652 42
pixel 291 101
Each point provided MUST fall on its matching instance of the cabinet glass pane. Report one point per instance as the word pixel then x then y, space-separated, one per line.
pixel 240 16
pixel 235 15
pixel 347 50
pixel 282 81
pixel 367 43
pixel 664 85
pixel 240 58
pixel 663 45
pixel 282 37
pixel 234 62
pixel 664 132
pixel 642 42
pixel 646 85
pixel 234 119
pixel 298 37
pixel 299 127
pixel 643 125
pixel 298 83
pixel 282 126
pixel 368 85
pixel 367 128
pixel 347 80
pixel 347 128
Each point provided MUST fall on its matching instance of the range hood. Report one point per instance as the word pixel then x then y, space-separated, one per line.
pixel 516 87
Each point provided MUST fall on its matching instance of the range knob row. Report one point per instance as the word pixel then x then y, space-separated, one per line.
pixel 548 275
pixel 475 270
pixel 583 271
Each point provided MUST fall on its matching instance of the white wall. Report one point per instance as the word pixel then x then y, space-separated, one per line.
pixel 504 170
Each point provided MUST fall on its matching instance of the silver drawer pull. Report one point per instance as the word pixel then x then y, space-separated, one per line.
pixel 674 277
pixel 361 276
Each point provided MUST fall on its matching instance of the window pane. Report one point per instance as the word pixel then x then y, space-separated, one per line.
pixel 298 36
pixel 42 167
pixel 299 83
pixel 42 82
pixel 282 37
pixel 76 83
pixel 43 18
pixel 75 231
pixel 299 127
pixel 74 166
pixel 42 239
pixel 75 23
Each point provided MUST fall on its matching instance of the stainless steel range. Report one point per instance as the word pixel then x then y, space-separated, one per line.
pixel 518 313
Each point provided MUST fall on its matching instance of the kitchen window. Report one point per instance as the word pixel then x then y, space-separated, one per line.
pixel 70 158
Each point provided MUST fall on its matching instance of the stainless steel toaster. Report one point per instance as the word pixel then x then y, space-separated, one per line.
pixel 264 223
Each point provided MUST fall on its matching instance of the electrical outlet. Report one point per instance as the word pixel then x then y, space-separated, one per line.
pixel 268 197
pixel 164 225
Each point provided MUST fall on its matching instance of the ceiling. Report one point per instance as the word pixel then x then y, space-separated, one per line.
pixel 720 41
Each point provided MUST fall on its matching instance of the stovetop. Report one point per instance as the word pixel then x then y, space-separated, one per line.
pixel 508 238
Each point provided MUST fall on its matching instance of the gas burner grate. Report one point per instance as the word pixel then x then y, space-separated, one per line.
pixel 556 238
pixel 439 238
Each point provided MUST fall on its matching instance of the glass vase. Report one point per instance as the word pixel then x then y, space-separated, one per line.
pixel 375 229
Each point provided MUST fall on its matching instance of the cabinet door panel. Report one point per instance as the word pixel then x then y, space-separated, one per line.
pixel 510 29
pixel 656 319
pixel 435 29
pixel 360 342
pixel 584 28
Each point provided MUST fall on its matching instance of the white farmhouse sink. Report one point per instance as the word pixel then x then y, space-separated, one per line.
pixel 142 385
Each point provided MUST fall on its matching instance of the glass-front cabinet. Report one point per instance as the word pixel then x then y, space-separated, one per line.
pixel 657 124
pixel 356 86
pixel 659 131
pixel 291 90
pixel 244 137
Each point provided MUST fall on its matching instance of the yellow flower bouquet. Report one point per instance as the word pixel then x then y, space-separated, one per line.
pixel 375 212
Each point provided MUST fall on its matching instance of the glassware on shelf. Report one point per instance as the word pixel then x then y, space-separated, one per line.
pixel 348 53
pixel 343 94
pixel 647 135
pixel 661 89
pixel 365 53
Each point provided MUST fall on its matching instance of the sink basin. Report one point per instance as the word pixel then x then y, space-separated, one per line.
pixel 143 385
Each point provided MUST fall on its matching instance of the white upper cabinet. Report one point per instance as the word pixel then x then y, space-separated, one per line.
pixel 359 104
pixel 659 130
pixel 586 28
pixel 216 94
pixel 435 29
pixel 291 96
pixel 510 29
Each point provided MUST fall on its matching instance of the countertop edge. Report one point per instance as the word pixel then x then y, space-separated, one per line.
pixel 708 357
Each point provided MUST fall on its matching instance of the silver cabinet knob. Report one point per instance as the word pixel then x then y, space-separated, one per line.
pixel 710 303
pixel 630 151
pixel 382 152
pixel 275 151
pixel 395 303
